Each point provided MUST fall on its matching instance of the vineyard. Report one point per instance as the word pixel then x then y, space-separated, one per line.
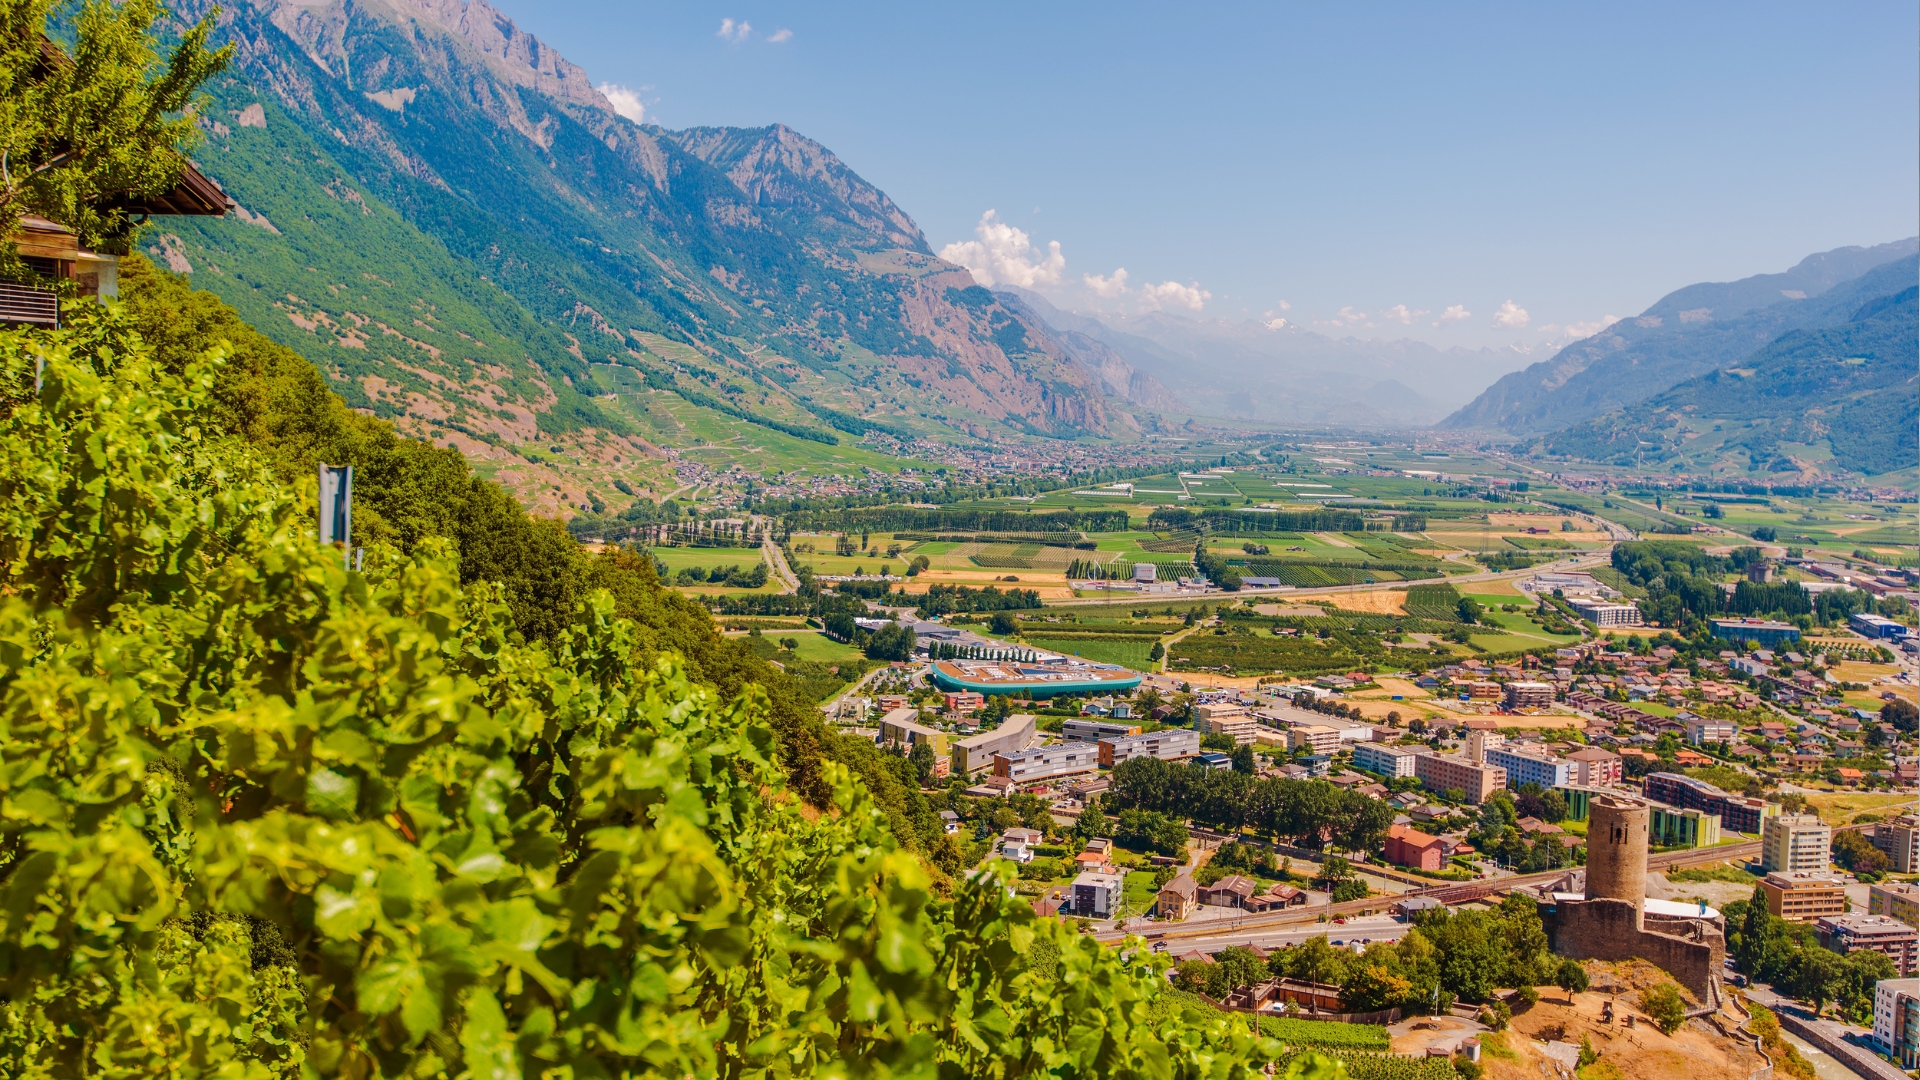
pixel 1366 1066
pixel 1440 603
pixel 1325 1034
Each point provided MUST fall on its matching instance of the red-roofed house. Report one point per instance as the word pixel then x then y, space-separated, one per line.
pixel 1411 847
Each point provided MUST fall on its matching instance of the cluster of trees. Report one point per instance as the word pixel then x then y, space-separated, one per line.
pixel 1855 853
pixel 1497 833
pixel 1313 813
pixel 1788 955
pixel 1149 830
pixel 1215 568
pixel 732 577
pixel 1448 956
pixel 940 650
pixel 951 599
pixel 1682 590
pixel 900 519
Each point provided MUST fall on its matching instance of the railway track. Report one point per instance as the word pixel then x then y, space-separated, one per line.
pixel 1447 893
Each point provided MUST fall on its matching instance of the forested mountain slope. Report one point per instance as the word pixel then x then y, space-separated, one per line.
pixel 450 222
pixel 1687 333
pixel 1813 401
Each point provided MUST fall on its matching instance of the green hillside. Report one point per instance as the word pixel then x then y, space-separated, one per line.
pixel 1814 400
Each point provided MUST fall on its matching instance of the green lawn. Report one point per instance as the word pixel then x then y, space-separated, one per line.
pixel 1127 653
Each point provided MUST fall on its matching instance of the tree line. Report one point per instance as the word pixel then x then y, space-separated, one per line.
pixel 1312 813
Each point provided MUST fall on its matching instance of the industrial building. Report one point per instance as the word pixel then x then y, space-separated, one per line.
pixel 1086 730
pixel 1764 631
pixel 903 727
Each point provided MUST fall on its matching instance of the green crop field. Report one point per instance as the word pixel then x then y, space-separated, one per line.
pixel 1126 652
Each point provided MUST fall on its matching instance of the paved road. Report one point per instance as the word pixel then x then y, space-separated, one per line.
pixel 778 560
pixel 1584 560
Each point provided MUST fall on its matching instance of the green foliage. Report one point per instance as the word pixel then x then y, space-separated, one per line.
pixel 89 133
pixel 1230 800
pixel 269 817
pixel 1324 1034
pixel 1664 1006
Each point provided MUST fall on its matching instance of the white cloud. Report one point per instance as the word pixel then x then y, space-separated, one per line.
pixel 1588 329
pixel 1399 313
pixel 1511 316
pixel 1110 286
pixel 780 35
pixel 1191 296
pixel 1454 313
pixel 734 31
pixel 1275 324
pixel 1346 317
pixel 1004 254
pixel 624 101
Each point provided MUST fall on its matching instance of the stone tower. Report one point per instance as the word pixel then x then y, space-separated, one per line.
pixel 1617 851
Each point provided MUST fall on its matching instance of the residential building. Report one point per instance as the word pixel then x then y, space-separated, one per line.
pixel 1805 896
pixel 1095 730
pixel 1046 762
pixel 1605 612
pixel 902 726
pixel 1737 813
pixel 1766 632
pixel 1845 933
pixel 1678 827
pixel 1594 767
pixel 1479 689
pixel 965 701
pixel 1383 760
pixel 1214 760
pixel 1443 773
pixel 1899 839
pixel 1480 742
pixel 1177 898
pixel 1702 730
pixel 1529 695
pixel 975 752
pixel 1411 847
pixel 1230 720
pixel 1896 900
pixel 1171 744
pixel 1098 895
pixel 1580 798
pixel 1796 843
pixel 1320 740
pixel 1896 1020
pixel 1233 890
pixel 1531 768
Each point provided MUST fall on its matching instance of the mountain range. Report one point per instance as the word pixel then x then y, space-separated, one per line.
pixel 445 216
pixel 1285 375
pixel 1843 395
pixel 1688 333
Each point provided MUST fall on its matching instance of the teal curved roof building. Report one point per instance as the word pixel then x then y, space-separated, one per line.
pixel 1033 680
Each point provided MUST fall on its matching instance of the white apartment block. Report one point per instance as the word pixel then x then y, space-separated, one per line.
pixel 1795 843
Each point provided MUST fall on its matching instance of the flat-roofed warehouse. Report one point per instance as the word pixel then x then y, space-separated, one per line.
pixel 1035 680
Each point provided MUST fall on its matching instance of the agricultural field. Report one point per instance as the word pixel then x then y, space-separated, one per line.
pixel 707 559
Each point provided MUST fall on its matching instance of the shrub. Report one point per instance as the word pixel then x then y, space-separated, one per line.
pixel 1664 1006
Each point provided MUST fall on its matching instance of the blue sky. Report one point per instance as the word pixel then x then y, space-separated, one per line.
pixel 1531 167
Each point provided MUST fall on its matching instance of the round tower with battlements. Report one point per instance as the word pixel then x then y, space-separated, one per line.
pixel 1617 851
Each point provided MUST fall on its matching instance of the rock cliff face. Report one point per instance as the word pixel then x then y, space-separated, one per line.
pixel 760 249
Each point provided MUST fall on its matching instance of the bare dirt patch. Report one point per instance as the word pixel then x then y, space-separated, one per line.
pixel 1697 1051
pixel 1376 602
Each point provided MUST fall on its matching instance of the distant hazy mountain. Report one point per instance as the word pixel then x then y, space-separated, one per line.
pixel 1687 333
pixel 453 224
pixel 1245 370
pixel 1811 400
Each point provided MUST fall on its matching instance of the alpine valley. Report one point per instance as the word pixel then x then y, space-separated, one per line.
pixel 445 217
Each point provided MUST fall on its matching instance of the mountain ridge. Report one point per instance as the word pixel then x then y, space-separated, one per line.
pixel 752 265
pixel 1686 333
